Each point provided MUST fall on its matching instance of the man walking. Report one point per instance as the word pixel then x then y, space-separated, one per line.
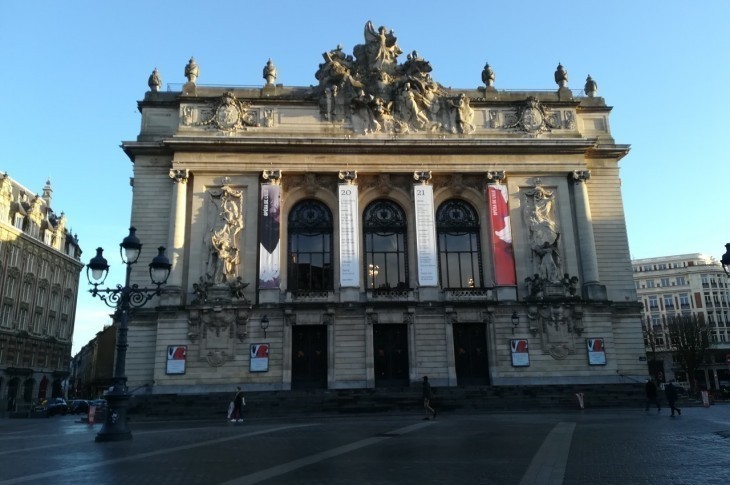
pixel 238 403
pixel 427 397
pixel 651 395
pixel 671 393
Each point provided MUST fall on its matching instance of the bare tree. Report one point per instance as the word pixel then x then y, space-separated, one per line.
pixel 690 341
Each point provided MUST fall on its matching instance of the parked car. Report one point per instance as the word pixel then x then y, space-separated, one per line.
pixel 79 406
pixel 56 405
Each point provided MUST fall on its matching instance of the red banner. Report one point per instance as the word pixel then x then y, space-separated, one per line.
pixel 504 258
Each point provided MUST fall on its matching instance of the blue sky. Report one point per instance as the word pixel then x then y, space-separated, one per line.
pixel 72 73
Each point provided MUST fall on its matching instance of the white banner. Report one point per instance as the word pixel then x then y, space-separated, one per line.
pixel 349 234
pixel 425 235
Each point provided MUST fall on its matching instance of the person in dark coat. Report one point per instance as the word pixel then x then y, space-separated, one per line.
pixel 238 402
pixel 671 392
pixel 651 395
pixel 427 397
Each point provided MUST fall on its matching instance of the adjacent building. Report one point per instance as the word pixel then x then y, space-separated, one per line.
pixel 377 227
pixel 39 280
pixel 686 284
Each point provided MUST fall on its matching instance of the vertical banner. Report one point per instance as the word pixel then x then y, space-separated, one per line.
pixel 269 244
pixel 425 235
pixel 596 351
pixel 504 258
pixel 349 233
pixel 520 352
pixel 176 358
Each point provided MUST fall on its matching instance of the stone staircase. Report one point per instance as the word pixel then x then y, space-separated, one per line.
pixel 406 400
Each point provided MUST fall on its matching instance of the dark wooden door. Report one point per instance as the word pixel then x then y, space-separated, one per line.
pixel 390 342
pixel 309 357
pixel 470 352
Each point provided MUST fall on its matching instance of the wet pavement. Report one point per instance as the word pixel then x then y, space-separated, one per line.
pixel 623 446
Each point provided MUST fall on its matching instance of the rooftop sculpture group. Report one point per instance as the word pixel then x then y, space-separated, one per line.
pixel 379 95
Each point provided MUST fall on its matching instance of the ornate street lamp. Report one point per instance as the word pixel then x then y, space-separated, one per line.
pixel 726 260
pixel 124 299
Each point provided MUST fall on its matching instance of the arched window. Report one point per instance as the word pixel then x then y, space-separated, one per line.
pixel 385 248
pixel 460 261
pixel 310 247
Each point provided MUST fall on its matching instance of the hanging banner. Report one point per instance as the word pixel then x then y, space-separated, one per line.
pixel 596 351
pixel 349 233
pixel 504 258
pixel 425 235
pixel 269 244
pixel 176 358
pixel 520 352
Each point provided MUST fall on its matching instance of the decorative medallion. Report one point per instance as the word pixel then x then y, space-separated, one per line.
pixel 230 115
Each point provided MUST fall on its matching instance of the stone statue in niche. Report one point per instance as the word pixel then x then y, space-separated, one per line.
pixel 543 235
pixel 223 237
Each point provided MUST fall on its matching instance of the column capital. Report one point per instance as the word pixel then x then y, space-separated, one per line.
pixel 179 175
pixel 578 176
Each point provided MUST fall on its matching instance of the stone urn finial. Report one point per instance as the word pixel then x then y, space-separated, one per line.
pixel 591 87
pixel 270 73
pixel 561 76
pixel 488 76
pixel 154 81
pixel 192 70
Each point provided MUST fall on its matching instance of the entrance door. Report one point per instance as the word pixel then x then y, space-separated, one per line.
pixel 391 355
pixel 470 352
pixel 309 357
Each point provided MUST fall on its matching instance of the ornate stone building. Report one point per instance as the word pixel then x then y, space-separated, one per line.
pixel 39 280
pixel 690 285
pixel 378 227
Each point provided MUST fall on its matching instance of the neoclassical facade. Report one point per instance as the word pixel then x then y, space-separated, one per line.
pixel 377 227
pixel 39 281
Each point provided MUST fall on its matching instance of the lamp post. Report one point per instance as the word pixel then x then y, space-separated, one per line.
pixel 123 299
pixel 726 260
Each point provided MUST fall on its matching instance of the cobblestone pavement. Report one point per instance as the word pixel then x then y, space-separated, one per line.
pixel 582 447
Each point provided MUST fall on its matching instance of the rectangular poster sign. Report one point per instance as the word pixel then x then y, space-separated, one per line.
pixel 425 235
pixel 596 351
pixel 520 352
pixel 176 358
pixel 504 258
pixel 269 244
pixel 349 233
pixel 259 361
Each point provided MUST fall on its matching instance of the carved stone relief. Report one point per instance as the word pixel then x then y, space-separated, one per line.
pixel 226 114
pixel 556 325
pixel 218 329
pixel 225 224
pixel 539 216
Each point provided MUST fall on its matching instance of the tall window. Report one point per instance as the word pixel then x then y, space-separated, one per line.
pixel 386 254
pixel 310 247
pixel 457 228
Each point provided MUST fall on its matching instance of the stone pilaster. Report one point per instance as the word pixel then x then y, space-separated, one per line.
pixel 592 289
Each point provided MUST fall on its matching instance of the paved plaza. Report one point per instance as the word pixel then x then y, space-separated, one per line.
pixel 623 446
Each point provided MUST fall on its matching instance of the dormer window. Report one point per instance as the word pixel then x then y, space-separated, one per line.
pixel 19 219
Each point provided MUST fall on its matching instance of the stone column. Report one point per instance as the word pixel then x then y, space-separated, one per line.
pixel 176 233
pixel 592 289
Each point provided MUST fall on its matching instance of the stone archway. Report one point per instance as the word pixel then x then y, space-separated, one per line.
pixel 42 389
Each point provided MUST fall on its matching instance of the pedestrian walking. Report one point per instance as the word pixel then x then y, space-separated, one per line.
pixel 651 395
pixel 238 402
pixel 427 397
pixel 671 392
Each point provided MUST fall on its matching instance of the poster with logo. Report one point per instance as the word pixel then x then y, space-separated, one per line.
pixel 259 361
pixel 596 351
pixel 176 358
pixel 520 352
pixel 269 247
